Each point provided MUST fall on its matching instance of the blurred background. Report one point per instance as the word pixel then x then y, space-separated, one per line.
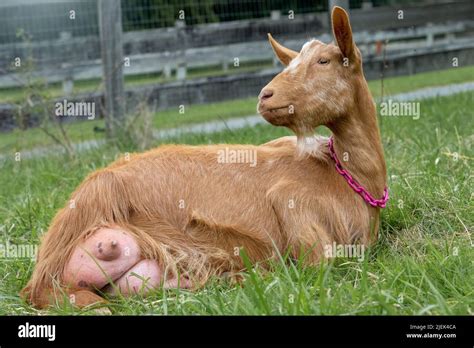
pixel 163 58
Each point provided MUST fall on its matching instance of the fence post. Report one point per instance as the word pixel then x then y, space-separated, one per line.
pixel 181 69
pixel 110 24
pixel 430 34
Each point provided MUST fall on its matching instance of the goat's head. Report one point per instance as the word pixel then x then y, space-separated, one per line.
pixel 318 84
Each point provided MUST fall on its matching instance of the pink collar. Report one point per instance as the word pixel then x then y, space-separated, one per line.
pixel 381 203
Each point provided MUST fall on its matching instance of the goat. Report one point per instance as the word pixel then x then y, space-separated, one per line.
pixel 181 214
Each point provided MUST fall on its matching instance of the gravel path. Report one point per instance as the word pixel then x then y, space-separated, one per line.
pixel 431 92
pixel 241 122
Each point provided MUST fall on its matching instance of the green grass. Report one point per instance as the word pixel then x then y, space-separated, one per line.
pixel 422 263
pixel 400 84
pixel 19 140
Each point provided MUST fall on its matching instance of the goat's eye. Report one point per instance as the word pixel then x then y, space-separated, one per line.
pixel 323 61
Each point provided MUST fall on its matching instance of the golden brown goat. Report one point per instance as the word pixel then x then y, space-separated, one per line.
pixel 180 214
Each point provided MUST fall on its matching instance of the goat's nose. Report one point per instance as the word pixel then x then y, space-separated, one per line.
pixel 265 94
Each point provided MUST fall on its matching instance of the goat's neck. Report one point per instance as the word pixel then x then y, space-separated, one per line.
pixel 358 145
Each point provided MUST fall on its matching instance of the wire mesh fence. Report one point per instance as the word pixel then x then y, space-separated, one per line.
pixel 57 34
pixel 175 52
pixel 54 46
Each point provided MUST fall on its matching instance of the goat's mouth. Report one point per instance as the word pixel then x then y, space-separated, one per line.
pixel 276 116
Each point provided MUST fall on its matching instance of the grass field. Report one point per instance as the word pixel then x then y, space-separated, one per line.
pixel 19 140
pixel 422 263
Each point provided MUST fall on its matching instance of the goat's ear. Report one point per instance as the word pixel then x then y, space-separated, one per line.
pixel 342 31
pixel 285 55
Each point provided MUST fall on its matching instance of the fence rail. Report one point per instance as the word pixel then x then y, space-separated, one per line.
pixel 81 68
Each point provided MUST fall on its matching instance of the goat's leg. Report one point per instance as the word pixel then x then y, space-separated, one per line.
pixel 78 297
pixel 306 236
